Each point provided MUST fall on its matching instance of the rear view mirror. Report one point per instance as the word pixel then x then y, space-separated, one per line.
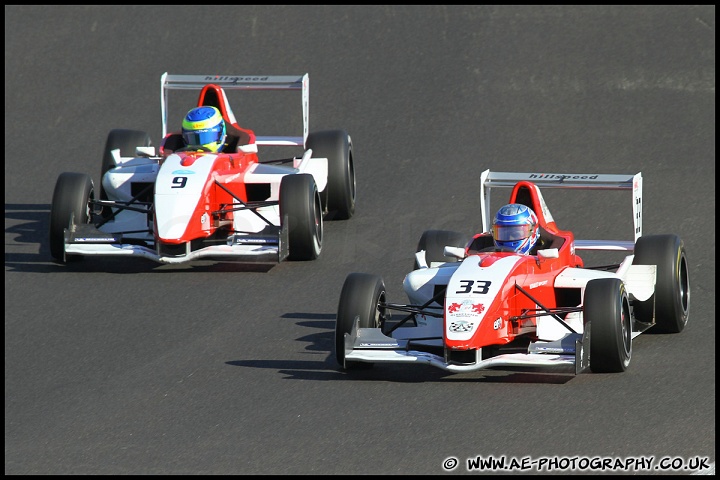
pixel 457 252
pixel 549 253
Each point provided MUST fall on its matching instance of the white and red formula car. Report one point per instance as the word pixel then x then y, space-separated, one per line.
pixel 473 305
pixel 174 206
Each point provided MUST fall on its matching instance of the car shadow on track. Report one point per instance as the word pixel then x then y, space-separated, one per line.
pixel 328 370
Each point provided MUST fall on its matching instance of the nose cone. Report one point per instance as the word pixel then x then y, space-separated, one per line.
pixel 178 193
pixel 473 300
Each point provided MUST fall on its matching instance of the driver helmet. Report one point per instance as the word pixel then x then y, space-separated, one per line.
pixel 516 226
pixel 204 127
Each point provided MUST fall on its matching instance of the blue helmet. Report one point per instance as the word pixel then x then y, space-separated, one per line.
pixel 516 226
pixel 204 127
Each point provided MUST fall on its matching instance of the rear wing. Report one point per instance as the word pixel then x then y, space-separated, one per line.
pixel 489 180
pixel 242 82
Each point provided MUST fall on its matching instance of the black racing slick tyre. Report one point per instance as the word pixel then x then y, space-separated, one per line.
pixel 71 203
pixel 607 314
pixel 671 301
pixel 125 140
pixel 301 208
pixel 434 242
pixel 363 297
pixel 339 195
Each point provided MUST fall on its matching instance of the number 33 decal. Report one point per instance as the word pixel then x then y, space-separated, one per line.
pixel 474 286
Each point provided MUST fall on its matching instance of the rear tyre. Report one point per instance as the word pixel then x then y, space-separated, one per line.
pixel 362 295
pixel 671 299
pixel 434 242
pixel 607 314
pixel 339 195
pixel 301 207
pixel 71 203
pixel 127 141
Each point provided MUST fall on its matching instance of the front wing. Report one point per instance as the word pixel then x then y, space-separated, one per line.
pixel 268 246
pixel 372 346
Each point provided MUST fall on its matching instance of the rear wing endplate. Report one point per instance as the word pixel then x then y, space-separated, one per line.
pixel 489 180
pixel 242 82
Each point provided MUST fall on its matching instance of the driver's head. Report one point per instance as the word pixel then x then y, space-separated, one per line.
pixel 516 226
pixel 204 127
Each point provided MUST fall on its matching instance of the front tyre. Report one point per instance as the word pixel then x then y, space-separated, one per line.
pixel 71 203
pixel 671 299
pixel 607 313
pixel 434 242
pixel 363 296
pixel 301 207
pixel 339 195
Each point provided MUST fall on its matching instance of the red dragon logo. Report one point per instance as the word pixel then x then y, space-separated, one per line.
pixel 476 308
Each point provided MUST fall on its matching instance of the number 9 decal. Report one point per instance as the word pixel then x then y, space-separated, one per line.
pixel 179 182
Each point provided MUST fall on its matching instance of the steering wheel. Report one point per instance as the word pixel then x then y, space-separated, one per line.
pixel 194 149
pixel 498 249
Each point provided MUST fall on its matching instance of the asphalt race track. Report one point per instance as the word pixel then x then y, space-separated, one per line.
pixel 128 367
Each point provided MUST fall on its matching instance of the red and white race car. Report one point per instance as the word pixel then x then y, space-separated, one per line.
pixel 473 305
pixel 174 206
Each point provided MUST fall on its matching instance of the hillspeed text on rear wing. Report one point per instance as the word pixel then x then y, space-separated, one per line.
pixel 242 82
pixel 489 180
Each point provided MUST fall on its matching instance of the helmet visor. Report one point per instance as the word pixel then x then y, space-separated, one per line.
pixel 511 233
pixel 202 137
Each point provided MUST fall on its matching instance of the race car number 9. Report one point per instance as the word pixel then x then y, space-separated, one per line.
pixel 474 286
pixel 179 182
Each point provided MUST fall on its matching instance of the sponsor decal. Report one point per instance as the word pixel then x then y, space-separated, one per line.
pixel 244 240
pixel 466 308
pixel 461 326
pixel 558 350
pixel 183 172
pixel 561 177
pixel 94 240
pixel 220 78
pixel 538 284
